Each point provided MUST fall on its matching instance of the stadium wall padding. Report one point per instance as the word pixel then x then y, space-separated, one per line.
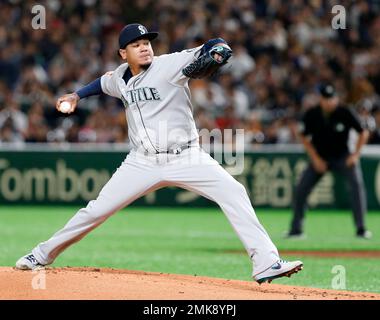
pixel 75 177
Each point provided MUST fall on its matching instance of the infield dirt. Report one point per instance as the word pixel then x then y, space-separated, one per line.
pixel 110 284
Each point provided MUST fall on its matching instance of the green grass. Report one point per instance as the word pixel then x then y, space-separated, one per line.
pixel 193 241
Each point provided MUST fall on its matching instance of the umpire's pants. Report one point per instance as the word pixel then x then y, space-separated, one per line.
pixel 309 179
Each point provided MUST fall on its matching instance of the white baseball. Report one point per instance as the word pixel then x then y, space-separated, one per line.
pixel 65 107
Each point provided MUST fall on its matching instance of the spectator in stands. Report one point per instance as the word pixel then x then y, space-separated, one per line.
pixel 281 50
pixel 375 134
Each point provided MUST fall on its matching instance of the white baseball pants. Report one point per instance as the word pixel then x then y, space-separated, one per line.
pixel 139 174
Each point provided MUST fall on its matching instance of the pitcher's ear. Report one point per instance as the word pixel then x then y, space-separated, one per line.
pixel 121 52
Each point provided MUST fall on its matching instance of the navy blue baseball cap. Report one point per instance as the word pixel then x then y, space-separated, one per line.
pixel 132 32
pixel 327 90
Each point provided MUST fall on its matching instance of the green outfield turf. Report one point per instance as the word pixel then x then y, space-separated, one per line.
pixel 194 241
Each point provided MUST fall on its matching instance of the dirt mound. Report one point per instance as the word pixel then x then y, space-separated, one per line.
pixel 95 283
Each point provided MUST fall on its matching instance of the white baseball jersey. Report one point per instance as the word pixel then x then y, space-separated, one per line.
pixel 157 102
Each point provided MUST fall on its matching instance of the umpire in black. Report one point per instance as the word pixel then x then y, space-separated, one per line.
pixel 324 134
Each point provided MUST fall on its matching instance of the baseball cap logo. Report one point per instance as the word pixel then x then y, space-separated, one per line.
pixel 142 29
pixel 329 89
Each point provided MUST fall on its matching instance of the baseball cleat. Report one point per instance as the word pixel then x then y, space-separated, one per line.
pixel 28 262
pixel 279 269
pixel 364 234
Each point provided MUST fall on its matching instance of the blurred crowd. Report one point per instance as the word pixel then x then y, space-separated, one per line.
pixel 282 51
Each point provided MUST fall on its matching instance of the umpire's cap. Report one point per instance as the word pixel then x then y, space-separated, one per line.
pixel 327 90
pixel 132 32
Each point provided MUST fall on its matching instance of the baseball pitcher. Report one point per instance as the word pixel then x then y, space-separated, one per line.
pixel 165 149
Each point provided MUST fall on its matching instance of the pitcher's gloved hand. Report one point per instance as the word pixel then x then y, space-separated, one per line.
pixel 208 62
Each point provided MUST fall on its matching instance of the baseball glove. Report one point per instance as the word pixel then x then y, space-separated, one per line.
pixel 208 62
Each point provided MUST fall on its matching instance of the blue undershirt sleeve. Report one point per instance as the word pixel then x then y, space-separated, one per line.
pixel 93 88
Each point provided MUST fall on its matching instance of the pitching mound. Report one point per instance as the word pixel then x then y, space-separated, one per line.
pixel 94 283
